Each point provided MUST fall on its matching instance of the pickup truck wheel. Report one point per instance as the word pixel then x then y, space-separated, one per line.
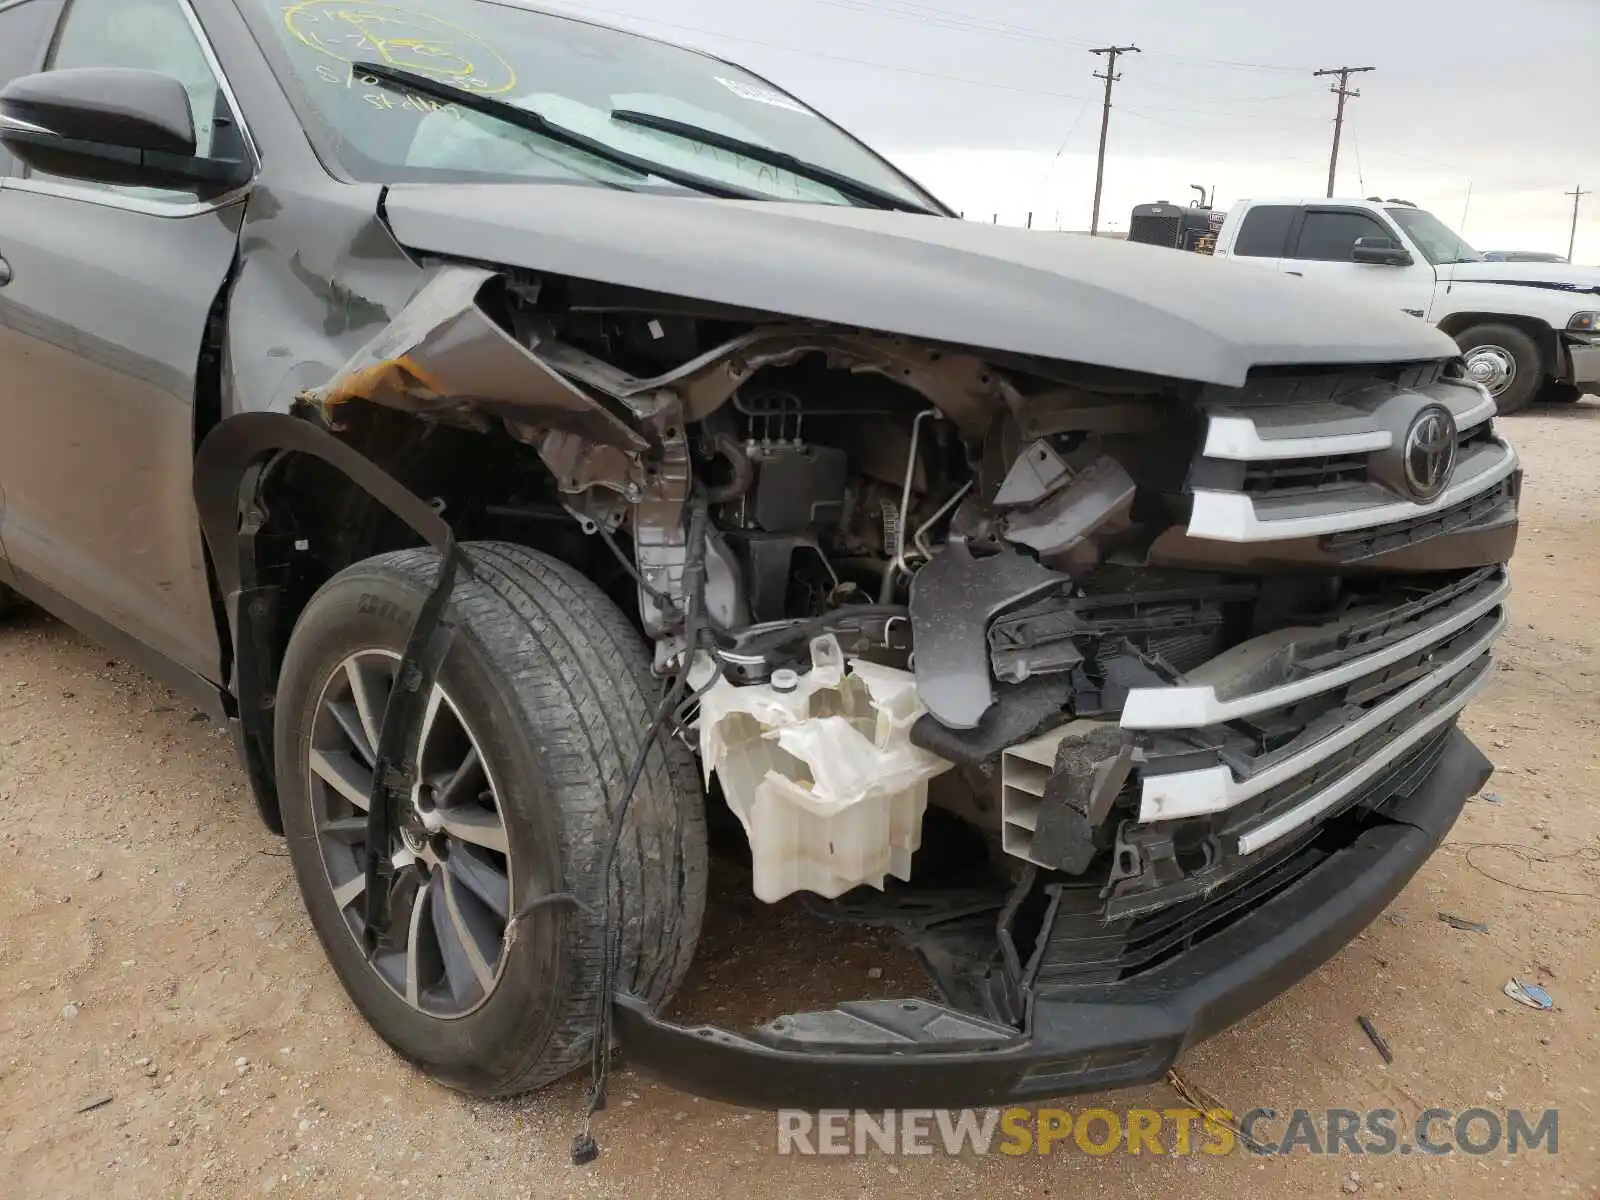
pixel 540 707
pixel 1506 361
pixel 9 600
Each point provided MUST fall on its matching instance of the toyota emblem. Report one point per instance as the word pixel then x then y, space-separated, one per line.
pixel 1430 452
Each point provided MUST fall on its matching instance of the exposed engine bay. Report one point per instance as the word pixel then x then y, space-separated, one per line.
pixel 900 574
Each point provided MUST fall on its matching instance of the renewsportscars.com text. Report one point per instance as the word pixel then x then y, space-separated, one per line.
pixel 1178 1131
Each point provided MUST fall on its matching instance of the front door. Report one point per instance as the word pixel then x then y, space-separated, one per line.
pixel 25 27
pixel 1322 249
pixel 101 322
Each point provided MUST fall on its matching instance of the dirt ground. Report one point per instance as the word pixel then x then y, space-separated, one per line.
pixel 153 950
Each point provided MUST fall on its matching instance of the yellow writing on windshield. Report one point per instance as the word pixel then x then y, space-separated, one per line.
pixel 400 37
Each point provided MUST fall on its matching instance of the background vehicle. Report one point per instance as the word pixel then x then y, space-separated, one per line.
pixel 1523 327
pixel 1538 256
pixel 1177 227
pixel 1107 638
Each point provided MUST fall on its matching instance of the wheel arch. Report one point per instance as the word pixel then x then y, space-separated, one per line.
pixel 1543 334
pixel 285 502
pixel 233 463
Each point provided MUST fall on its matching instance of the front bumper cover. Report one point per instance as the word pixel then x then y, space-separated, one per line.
pixel 916 1053
pixel 1585 359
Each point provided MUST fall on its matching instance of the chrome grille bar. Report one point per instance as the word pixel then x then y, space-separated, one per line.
pixel 1324 430
pixel 1282 824
pixel 1214 789
pixel 1186 707
pixel 1238 517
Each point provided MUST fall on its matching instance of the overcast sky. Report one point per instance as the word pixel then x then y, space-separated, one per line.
pixel 991 103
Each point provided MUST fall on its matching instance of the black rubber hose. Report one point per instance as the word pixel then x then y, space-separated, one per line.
pixel 744 471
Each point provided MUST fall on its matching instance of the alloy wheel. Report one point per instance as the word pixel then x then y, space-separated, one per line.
pixel 450 892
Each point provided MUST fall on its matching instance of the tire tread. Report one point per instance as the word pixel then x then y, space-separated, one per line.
pixel 580 674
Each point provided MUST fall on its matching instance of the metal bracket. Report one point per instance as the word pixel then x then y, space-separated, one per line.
pixel 660 533
pixel 953 599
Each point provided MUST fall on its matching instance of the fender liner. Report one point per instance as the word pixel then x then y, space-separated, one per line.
pixel 228 470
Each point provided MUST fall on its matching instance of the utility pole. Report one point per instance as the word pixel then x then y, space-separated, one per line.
pixel 1577 194
pixel 1341 90
pixel 1110 77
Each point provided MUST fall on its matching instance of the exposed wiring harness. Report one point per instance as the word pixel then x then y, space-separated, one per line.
pixel 669 606
pixel 632 568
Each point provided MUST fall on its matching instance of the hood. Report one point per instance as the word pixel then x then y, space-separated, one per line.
pixel 1052 295
pixel 1559 277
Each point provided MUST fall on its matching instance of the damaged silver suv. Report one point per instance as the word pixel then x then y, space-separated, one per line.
pixel 486 414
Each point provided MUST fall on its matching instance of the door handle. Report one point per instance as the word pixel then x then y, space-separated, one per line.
pixel 5 271
pixel 1296 274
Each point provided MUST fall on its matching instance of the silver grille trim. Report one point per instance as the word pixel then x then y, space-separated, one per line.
pixel 1282 824
pixel 1186 707
pixel 1276 432
pixel 1281 732
pixel 1239 439
pixel 1478 413
pixel 1214 789
pixel 1237 517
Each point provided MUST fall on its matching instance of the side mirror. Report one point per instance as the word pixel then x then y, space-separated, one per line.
pixel 1380 252
pixel 109 125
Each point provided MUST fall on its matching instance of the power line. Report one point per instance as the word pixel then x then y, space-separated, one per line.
pixel 948 18
pixel 1141 107
pixel 1222 130
pixel 1083 110
pixel 1110 76
pixel 1234 137
pixel 1355 144
pixel 1209 95
pixel 939 18
pixel 1577 194
pixel 587 9
pixel 1227 63
pixel 1516 183
pixel 1430 162
pixel 599 12
pixel 1343 91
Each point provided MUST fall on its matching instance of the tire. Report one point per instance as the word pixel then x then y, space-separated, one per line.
pixel 9 601
pixel 553 687
pixel 1502 348
pixel 1561 393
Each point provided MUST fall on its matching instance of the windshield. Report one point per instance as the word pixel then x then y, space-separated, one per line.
pixel 574 74
pixel 1440 244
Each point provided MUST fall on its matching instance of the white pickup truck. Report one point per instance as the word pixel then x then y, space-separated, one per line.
pixel 1526 329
